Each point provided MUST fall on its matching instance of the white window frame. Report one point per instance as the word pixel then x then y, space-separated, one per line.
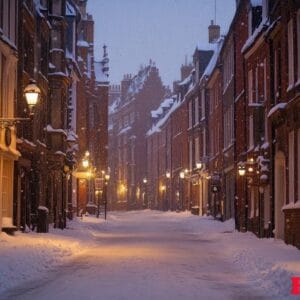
pixel 250 86
pixel 197 148
pixel 251 133
pixel 291 164
pixel 191 153
pixel 265 81
pixel 196 110
pixel 203 104
pixel 190 114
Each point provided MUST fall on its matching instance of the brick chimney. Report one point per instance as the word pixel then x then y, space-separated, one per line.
pixel 213 32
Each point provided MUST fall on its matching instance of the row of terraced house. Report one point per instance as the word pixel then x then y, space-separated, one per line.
pixel 227 143
pixel 50 46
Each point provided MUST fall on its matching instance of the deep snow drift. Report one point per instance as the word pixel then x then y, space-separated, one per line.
pixel 145 255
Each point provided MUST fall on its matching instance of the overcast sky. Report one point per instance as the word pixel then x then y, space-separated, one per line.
pixel 162 30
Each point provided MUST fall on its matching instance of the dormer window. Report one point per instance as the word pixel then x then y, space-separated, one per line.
pixel 254 15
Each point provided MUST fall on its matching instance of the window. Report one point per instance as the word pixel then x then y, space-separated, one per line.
pixel 196 110
pixel 228 67
pixel 228 127
pixel 197 153
pixel 204 143
pixel 265 80
pixel 291 167
pixel 256 86
pixel 132 117
pixel 5 18
pixel 191 153
pixel 251 134
pixel 298 43
pixel 211 102
pixel 298 157
pixel 126 120
pixel 290 54
pixel 190 115
pixel 1 15
pixel 3 88
pixel 250 87
pixel 12 21
pixel 211 137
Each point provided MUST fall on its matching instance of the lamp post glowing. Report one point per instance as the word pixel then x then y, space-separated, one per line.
pixel 106 179
pixel 242 171
pixel 199 165
pixel 32 93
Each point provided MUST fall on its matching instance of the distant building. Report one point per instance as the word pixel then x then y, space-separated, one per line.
pixel 139 95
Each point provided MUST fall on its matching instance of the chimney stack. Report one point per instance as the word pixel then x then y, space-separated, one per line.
pixel 213 32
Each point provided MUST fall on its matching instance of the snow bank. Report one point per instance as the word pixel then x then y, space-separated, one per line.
pixel 29 256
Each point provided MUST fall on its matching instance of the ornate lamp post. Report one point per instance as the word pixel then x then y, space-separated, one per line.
pixel 106 179
pixel 32 94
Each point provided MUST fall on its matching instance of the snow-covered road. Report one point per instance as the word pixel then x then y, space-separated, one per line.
pixel 155 255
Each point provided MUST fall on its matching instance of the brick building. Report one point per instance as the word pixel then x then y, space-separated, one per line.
pixel 139 95
pixel 247 141
pixel 43 145
pixel 284 117
pixel 8 87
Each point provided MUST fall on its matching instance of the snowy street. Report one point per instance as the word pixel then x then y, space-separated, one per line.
pixel 152 255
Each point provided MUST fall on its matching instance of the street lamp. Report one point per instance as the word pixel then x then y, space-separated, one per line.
pixel 32 94
pixel 145 180
pixel 241 170
pixel 199 165
pixel 168 174
pixel 106 179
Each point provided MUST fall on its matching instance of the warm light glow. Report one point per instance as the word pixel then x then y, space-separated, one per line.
pixel 198 165
pixel 242 172
pixel 122 189
pixel 168 174
pixel 145 180
pixel 107 177
pixel 87 154
pixel 32 93
pixel 85 163
pixel 181 175
pixel 250 169
pixel 186 171
pixel 162 188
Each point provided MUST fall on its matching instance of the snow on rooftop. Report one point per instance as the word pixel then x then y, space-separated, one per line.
pixel 124 130
pixel 82 43
pixel 50 129
pixel 100 75
pixel 112 108
pixel 279 106
pixel 157 127
pixel 213 61
pixel 251 39
pixel 137 82
pixel 186 81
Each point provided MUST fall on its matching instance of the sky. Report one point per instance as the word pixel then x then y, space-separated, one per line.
pixel 165 31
